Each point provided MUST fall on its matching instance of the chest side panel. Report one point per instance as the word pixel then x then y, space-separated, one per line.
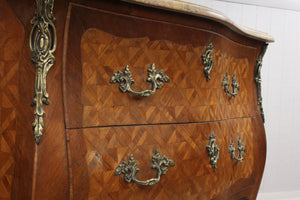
pixel 11 43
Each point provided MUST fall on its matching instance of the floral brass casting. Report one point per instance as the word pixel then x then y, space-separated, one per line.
pixel 241 148
pixel 42 45
pixel 235 85
pixel 258 79
pixel 160 163
pixel 208 60
pixel 125 80
pixel 213 150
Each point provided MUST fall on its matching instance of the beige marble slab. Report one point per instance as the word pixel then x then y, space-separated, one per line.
pixel 202 11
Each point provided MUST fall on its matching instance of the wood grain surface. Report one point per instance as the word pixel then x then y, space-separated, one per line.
pixel 11 41
pixel 96 153
pixel 52 162
pixel 105 48
pixel 105 126
pixel 91 127
pixel 41 171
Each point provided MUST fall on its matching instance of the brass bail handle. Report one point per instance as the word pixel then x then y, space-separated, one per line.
pixel 160 163
pixel 125 80
pixel 241 149
pixel 235 85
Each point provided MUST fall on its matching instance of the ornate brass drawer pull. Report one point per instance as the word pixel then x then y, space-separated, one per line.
pixel 241 148
pixel 208 60
pixel 160 163
pixel 125 80
pixel 235 85
pixel 213 150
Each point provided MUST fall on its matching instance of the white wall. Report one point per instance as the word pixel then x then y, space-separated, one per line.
pixel 281 90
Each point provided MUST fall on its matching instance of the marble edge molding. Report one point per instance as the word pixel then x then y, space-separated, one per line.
pixel 202 11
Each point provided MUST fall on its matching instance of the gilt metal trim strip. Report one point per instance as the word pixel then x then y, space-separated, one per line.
pixel 42 44
pixel 125 80
pixel 160 163
pixel 258 79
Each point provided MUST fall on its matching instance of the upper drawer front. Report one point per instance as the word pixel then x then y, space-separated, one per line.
pixel 108 42
pixel 95 153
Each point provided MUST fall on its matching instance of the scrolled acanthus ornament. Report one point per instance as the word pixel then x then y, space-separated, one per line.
pixel 42 44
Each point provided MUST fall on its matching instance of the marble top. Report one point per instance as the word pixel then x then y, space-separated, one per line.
pixel 202 11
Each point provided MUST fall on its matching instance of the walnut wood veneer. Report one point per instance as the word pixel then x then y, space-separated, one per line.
pixel 91 127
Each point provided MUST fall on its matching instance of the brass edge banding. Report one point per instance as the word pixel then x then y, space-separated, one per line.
pixel 258 79
pixel 42 44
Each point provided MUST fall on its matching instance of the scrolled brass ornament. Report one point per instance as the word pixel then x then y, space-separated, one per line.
pixel 213 150
pixel 160 163
pixel 241 149
pixel 208 61
pixel 125 80
pixel 235 85
pixel 258 79
pixel 42 44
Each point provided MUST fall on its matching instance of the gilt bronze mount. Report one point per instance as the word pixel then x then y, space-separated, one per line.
pixel 125 80
pixel 208 61
pixel 235 85
pixel 160 163
pixel 241 149
pixel 258 79
pixel 213 150
pixel 42 44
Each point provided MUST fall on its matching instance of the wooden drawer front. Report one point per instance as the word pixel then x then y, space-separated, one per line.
pixel 95 154
pixel 109 41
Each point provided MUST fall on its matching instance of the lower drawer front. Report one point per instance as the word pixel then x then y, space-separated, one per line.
pixel 95 153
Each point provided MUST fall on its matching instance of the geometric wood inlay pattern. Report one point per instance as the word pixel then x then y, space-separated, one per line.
pixel 187 98
pixel 11 41
pixel 96 153
pixel 105 126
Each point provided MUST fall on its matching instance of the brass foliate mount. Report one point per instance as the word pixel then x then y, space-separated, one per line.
pixel 258 79
pixel 208 61
pixel 125 80
pixel 213 150
pixel 241 149
pixel 235 85
pixel 42 44
pixel 160 163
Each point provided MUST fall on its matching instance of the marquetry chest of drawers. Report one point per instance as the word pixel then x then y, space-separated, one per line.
pixel 146 100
